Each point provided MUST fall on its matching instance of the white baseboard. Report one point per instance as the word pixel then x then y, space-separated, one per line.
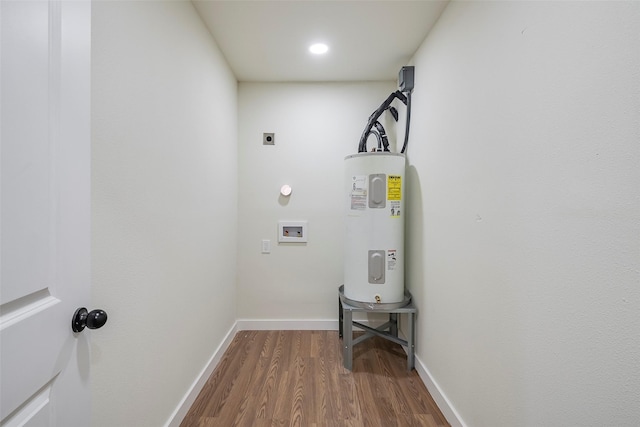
pixel 287 325
pixel 299 325
pixel 435 391
pixel 440 398
pixel 185 404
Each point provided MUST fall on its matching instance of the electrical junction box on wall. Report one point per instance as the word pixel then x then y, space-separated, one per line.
pixel 405 79
pixel 292 231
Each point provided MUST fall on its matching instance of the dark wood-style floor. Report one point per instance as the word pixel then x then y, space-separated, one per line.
pixel 296 378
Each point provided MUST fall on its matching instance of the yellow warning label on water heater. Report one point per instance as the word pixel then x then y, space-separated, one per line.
pixel 394 187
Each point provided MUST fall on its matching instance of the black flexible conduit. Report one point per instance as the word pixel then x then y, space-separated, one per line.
pixel 408 121
pixel 373 119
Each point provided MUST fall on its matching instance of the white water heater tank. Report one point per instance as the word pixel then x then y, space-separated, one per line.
pixel 374 238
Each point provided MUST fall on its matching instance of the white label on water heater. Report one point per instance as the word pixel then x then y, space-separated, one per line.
pixel 392 259
pixel 395 209
pixel 359 193
pixel 394 194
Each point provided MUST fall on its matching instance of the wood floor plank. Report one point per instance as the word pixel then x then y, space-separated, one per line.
pixel 373 409
pixel 298 414
pixel 266 396
pixel 240 390
pixel 297 378
pixel 283 397
pixel 318 379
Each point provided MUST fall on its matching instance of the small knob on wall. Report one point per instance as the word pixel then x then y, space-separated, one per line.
pixel 93 319
pixel 285 190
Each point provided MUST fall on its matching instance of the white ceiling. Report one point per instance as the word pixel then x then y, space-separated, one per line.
pixel 268 41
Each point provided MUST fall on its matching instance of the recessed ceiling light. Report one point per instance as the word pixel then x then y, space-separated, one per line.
pixel 318 48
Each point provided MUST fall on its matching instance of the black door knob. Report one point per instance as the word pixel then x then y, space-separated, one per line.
pixel 93 319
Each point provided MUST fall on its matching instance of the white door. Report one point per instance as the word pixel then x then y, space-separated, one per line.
pixel 44 211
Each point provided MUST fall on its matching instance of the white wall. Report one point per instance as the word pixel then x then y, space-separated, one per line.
pixel 316 126
pixel 164 114
pixel 524 222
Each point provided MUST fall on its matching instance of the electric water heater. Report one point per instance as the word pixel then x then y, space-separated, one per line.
pixel 374 238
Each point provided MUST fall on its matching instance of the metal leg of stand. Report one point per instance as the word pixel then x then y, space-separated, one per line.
pixel 393 328
pixel 347 338
pixel 340 318
pixel 411 341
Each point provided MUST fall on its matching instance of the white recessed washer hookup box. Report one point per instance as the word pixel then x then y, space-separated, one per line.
pixel 292 231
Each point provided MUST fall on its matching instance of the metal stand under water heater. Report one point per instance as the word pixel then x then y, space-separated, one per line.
pixel 375 211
